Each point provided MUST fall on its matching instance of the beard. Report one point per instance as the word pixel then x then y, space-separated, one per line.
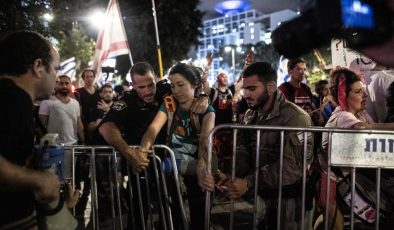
pixel 107 100
pixel 63 92
pixel 260 101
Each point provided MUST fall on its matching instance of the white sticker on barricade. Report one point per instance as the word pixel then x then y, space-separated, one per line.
pixel 362 150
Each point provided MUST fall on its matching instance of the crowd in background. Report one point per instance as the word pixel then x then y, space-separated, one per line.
pixel 181 112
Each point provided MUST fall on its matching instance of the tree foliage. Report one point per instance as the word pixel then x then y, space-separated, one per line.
pixel 178 23
pixel 74 13
pixel 266 52
pixel 23 15
pixel 76 44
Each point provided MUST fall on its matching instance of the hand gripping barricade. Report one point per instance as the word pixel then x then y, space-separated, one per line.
pixel 144 207
pixel 346 148
pixel 164 199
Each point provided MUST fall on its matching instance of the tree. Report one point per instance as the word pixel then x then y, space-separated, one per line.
pixel 76 44
pixel 178 23
pixel 23 15
pixel 73 13
pixel 266 52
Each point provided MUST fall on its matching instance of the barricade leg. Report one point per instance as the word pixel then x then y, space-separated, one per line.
pixel 166 197
pixel 118 199
pixel 159 189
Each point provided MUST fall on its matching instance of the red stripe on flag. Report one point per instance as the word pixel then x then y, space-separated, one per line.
pixel 112 39
pixel 114 47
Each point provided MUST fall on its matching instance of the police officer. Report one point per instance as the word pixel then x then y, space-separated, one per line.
pixel 132 115
pixel 128 119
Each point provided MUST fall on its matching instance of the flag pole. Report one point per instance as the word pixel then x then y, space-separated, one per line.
pixel 124 32
pixel 157 39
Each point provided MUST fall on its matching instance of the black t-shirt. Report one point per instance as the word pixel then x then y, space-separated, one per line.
pixel 16 144
pixel 223 114
pixel 133 116
pixel 88 103
pixel 222 102
pixel 97 139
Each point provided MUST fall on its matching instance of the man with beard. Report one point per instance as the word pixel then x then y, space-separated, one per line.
pixel 268 106
pixel 103 106
pixel 61 114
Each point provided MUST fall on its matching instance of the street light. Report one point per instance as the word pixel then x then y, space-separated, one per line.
pixel 48 17
pixel 97 18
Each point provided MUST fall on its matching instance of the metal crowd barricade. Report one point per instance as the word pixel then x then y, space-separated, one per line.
pixel 353 148
pixel 163 198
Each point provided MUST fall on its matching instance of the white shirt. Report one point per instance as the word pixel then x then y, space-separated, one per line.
pixel 62 119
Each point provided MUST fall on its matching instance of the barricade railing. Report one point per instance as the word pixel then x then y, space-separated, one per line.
pixel 162 200
pixel 365 149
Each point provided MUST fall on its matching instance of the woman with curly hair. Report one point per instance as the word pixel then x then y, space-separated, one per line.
pixel 349 93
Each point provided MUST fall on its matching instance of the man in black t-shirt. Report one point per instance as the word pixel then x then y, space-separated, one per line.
pixel 129 117
pixel 88 98
pixel 28 66
pixel 103 107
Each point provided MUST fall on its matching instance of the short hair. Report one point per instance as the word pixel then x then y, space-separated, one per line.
pixel 118 89
pixel 141 68
pixel 293 62
pixel 191 73
pixel 65 76
pixel 20 49
pixel 320 83
pixel 351 77
pixel 106 85
pixel 88 70
pixel 264 71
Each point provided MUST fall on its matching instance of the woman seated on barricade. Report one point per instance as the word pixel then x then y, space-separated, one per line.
pixel 188 140
pixel 350 94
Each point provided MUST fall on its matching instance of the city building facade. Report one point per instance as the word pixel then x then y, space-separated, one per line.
pixel 248 27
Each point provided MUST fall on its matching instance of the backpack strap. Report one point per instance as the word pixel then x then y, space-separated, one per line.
pixel 169 103
pixel 215 96
pixel 290 91
pixel 307 89
pixel 195 122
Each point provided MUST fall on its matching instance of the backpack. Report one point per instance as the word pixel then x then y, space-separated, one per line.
pixel 365 197
pixel 170 105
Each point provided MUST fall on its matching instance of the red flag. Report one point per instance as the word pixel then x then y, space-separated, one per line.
pixel 111 40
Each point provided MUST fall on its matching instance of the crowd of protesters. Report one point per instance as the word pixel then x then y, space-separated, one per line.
pixel 191 109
